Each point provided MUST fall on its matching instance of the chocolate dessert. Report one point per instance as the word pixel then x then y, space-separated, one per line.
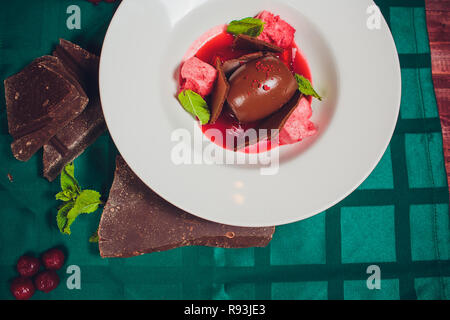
pixel 136 220
pixel 259 82
pixel 259 88
pixel 232 65
pixel 274 124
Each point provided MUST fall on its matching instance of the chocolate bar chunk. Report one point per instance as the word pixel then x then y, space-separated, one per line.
pixel 40 100
pixel 136 220
pixel 219 94
pixel 245 42
pixel 81 132
pixel 70 142
pixel 82 64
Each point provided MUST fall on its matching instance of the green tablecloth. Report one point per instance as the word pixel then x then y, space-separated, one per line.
pixel 397 220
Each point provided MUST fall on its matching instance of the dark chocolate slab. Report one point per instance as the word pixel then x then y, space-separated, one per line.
pixel 40 100
pixel 245 42
pixel 81 132
pixel 83 64
pixel 72 141
pixel 219 94
pixel 136 220
pixel 57 65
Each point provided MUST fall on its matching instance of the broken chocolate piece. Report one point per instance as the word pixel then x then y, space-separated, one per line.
pixel 81 132
pixel 219 94
pixel 244 42
pixel 259 88
pixel 40 100
pixel 232 65
pixel 81 63
pixel 57 65
pixel 136 220
pixel 70 142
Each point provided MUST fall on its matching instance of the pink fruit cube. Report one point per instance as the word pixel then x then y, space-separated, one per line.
pixel 276 30
pixel 298 126
pixel 198 76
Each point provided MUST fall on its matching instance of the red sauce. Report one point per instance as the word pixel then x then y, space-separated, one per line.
pixel 220 46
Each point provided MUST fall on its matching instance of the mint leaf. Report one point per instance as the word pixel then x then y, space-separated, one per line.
pixel 305 87
pixel 194 104
pixel 61 218
pixel 249 26
pixel 76 201
pixel 66 195
pixel 68 181
pixel 87 202
pixel 69 222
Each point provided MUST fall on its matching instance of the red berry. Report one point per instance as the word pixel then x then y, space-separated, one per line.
pixel 46 281
pixel 53 259
pixel 28 266
pixel 22 288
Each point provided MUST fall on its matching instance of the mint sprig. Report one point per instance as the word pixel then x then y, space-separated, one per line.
pixel 194 104
pixel 305 87
pixel 76 201
pixel 68 181
pixel 249 26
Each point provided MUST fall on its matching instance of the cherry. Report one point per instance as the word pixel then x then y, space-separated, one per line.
pixel 53 259
pixel 22 288
pixel 46 281
pixel 28 266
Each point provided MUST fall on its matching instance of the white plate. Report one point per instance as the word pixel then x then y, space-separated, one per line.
pixel 356 69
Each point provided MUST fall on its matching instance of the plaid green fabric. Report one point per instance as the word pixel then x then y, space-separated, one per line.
pixel 397 220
